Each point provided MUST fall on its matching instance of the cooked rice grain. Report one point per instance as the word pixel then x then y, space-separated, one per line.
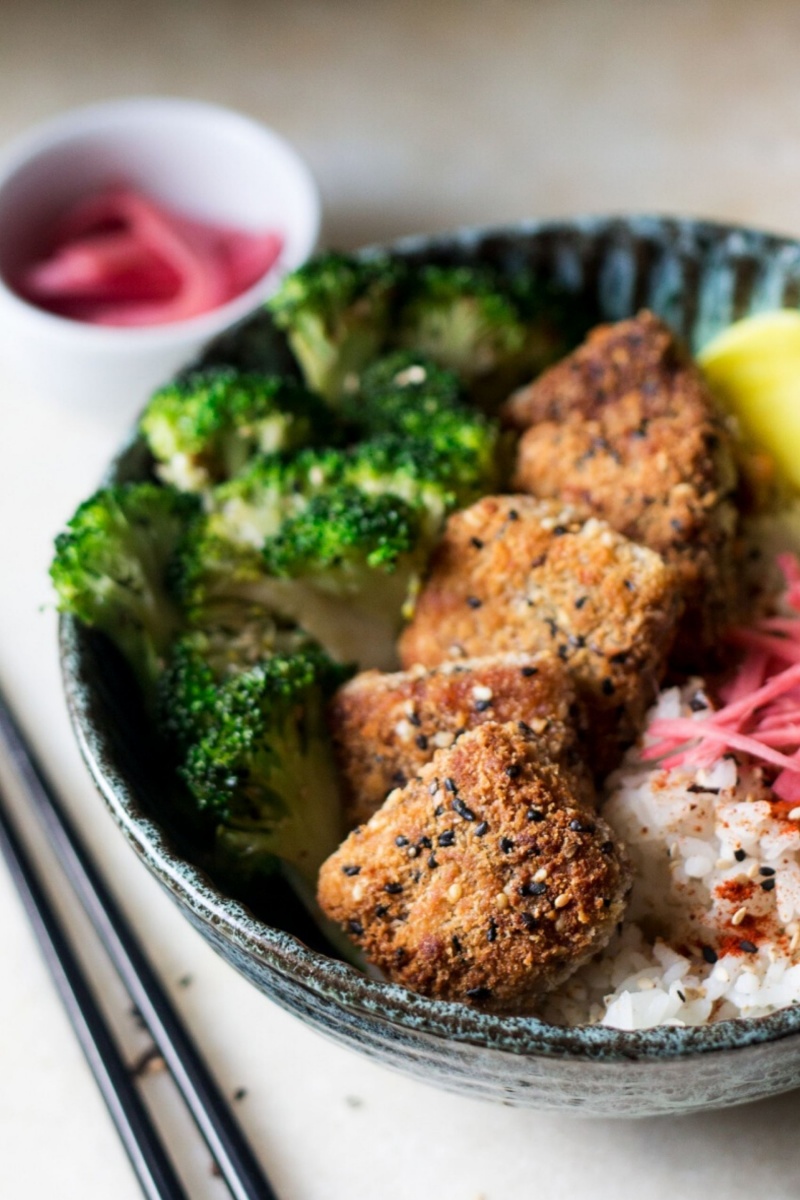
pixel 713 930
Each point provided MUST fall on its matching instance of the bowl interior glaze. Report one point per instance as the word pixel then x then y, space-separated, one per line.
pixel 699 277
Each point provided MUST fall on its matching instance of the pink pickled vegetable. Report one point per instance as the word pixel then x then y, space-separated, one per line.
pixel 118 258
pixel 760 713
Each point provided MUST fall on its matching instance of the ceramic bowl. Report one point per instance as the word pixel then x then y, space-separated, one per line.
pixel 200 159
pixel 699 277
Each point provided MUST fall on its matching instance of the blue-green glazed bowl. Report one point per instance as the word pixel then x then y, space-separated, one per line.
pixel 699 277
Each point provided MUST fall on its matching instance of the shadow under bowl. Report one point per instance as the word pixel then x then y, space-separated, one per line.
pixel 699 277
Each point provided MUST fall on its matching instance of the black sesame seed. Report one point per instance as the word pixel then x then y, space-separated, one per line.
pixel 456 944
pixel 532 889
pixel 350 870
pixel 513 515
pixel 491 932
pixel 740 855
pixel 400 956
pixel 709 954
pixel 607 687
pixel 477 543
pixel 563 652
pixel 394 889
pixel 482 705
pixel 422 741
pixel 581 826
pixel 768 885
pixel 748 947
pixel 414 719
pixel 539 561
pixel 528 671
pixel 479 993
pixel 506 845
pixel 240 1093
pixel 481 829
pixel 630 586
pixel 474 602
pixel 766 870
pixel 437 812
pixel 381 910
pixel 523 727
pixel 432 863
pixel 401 840
pixel 529 920
pixel 698 702
pixel 619 658
pixel 451 785
pixel 607 848
pixel 400 779
pixel 579 603
pixel 462 809
pixel 425 841
pixel 560 530
pixel 433 787
pixel 682 996
pixel 447 838
pixel 535 814
pixel 355 927
pixel 513 770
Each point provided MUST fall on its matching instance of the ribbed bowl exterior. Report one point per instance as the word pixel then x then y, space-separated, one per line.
pixel 699 277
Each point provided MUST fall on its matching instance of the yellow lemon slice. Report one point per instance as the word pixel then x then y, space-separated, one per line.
pixel 754 368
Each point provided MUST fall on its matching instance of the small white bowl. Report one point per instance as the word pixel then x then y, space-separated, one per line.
pixel 198 158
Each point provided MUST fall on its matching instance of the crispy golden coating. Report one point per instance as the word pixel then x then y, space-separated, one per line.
pixel 386 727
pixel 516 574
pixel 627 426
pixel 483 880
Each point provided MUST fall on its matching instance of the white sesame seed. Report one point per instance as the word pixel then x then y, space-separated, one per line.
pixel 404 730
pixel 413 374
pixel 539 724
pixel 646 984
pixel 739 916
pixel 454 893
pixel 358 892
pixel 481 692
pixel 412 851
pixel 540 875
pixel 562 900
pixel 501 900
pixel 548 523
pixel 607 538
pixel 442 739
pixel 752 871
pixel 794 814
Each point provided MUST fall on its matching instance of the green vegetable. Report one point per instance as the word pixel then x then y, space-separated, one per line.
pixel 336 313
pixel 112 564
pixel 204 426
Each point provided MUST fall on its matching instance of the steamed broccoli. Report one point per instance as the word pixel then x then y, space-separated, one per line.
pixel 112 565
pixel 204 426
pixel 265 768
pixel 493 331
pixel 336 313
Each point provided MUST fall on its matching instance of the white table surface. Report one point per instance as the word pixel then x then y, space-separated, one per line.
pixel 414 117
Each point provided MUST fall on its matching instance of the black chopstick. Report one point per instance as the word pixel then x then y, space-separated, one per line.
pixel 212 1115
pixel 137 1132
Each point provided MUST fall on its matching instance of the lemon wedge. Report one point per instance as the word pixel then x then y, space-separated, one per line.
pixel 754 369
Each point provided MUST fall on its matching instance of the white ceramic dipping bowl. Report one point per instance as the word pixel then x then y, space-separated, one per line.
pixel 198 158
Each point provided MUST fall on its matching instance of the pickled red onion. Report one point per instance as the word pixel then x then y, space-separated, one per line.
pixel 118 258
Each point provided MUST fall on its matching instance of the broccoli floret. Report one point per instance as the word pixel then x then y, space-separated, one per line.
pixel 204 426
pixel 336 312
pixel 492 331
pixel 212 575
pixel 202 660
pixel 112 564
pixel 252 506
pixel 265 768
pixel 341 537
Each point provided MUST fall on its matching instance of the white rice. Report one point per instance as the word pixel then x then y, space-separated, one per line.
pixel 713 929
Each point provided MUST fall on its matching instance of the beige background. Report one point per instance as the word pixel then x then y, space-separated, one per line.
pixel 413 117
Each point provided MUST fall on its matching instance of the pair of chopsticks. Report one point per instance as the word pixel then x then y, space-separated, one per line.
pixel 157 1176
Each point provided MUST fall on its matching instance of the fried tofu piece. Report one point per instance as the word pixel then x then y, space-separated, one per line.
pixel 627 426
pixel 516 574
pixel 484 880
pixel 386 727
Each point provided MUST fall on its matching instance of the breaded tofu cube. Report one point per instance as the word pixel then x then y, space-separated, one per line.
pixel 627 426
pixel 386 727
pixel 516 574
pixel 484 880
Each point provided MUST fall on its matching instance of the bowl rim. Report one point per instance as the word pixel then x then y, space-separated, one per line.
pixel 337 981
